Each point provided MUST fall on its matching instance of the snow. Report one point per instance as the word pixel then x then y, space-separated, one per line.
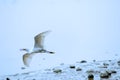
pixel 65 72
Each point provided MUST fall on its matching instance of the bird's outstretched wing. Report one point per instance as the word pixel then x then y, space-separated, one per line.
pixel 27 58
pixel 39 39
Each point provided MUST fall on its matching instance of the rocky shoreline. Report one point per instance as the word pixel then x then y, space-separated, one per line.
pixel 82 70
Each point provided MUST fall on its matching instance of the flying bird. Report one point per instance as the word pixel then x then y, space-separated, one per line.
pixel 38 48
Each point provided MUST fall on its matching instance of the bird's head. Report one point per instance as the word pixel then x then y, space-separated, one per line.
pixel 26 50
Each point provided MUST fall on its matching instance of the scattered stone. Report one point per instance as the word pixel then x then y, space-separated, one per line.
pixel 109 73
pixel 83 61
pixel 7 78
pixel 90 77
pixel 78 69
pixel 113 71
pixel 105 75
pixel 90 71
pixel 106 64
pixel 103 67
pixel 57 70
pixel 72 66
pixel 118 63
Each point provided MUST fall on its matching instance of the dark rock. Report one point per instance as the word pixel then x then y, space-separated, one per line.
pixel 90 77
pixel 113 71
pixel 83 61
pixel 57 70
pixel 103 67
pixel 108 72
pixel 78 69
pixel 90 71
pixel 7 78
pixel 105 75
pixel 106 64
pixel 72 66
pixel 118 63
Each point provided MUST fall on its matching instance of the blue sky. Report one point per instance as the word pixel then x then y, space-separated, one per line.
pixel 81 29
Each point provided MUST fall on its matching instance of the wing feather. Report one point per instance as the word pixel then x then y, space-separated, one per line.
pixel 27 58
pixel 39 39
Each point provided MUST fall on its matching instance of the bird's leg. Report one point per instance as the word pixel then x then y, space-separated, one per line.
pixel 45 51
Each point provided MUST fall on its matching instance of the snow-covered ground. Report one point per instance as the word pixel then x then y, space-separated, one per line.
pixel 80 70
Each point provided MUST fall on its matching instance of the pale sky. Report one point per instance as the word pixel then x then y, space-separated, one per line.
pixel 81 29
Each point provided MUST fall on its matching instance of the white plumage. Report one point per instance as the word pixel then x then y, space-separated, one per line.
pixel 38 48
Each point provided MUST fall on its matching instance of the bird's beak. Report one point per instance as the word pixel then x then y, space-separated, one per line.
pixel 52 52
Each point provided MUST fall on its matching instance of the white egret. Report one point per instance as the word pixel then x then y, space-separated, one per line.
pixel 38 48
